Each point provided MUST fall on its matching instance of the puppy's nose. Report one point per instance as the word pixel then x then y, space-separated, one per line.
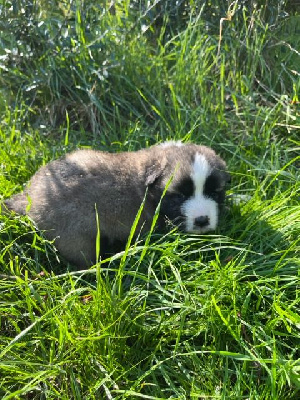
pixel 202 221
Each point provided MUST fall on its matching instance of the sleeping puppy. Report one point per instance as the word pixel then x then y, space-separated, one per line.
pixel 64 197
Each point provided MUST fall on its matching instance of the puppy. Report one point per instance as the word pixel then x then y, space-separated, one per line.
pixel 65 196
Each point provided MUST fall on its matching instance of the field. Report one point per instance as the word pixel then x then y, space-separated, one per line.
pixel 174 316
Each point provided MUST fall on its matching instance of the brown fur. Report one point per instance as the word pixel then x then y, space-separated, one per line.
pixel 63 196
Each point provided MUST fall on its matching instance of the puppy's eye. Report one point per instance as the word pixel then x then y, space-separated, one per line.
pixel 185 187
pixel 218 190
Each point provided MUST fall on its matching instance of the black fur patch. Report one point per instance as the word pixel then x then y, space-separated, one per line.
pixel 186 187
pixel 214 189
pixel 172 202
pixel 171 208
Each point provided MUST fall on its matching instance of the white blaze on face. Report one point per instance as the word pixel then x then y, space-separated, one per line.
pixel 199 205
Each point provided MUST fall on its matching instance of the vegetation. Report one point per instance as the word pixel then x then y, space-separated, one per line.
pixel 174 316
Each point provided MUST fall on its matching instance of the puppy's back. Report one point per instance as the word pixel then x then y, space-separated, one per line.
pixel 64 196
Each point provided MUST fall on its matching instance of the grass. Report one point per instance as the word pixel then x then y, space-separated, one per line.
pixel 174 316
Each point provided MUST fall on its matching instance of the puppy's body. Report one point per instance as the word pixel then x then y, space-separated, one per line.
pixel 64 196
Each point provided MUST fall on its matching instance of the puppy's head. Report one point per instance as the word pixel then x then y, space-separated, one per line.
pixel 206 194
pixel 197 192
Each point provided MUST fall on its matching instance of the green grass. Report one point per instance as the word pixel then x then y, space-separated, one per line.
pixel 174 316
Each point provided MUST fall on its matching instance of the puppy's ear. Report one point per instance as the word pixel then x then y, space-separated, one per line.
pixel 154 171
